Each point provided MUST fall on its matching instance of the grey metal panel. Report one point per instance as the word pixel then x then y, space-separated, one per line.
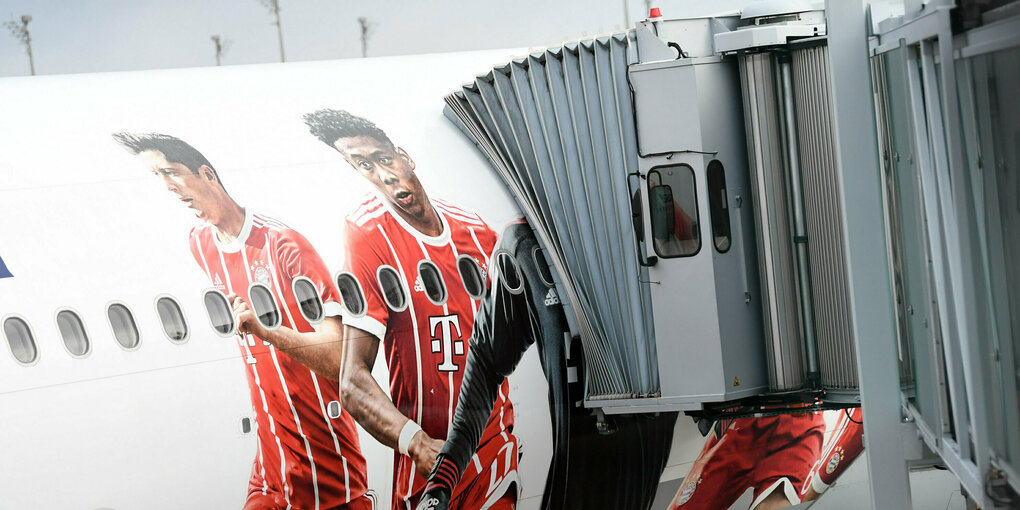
pixel 781 312
pixel 823 208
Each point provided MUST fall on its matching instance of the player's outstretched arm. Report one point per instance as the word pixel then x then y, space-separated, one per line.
pixel 318 350
pixel 372 409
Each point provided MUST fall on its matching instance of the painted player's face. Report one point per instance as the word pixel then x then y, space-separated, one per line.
pixel 389 169
pixel 197 191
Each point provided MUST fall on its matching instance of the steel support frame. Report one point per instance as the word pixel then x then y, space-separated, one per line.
pixel 871 297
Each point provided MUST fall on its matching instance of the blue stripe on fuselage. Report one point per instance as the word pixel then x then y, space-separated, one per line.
pixel 4 273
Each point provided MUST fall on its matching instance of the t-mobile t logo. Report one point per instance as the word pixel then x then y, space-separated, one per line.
pixel 446 340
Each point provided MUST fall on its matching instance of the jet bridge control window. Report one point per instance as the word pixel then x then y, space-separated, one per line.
pixel 172 319
pixel 673 209
pixel 125 331
pixel 718 207
pixel 72 333
pixel 20 340
pixel 221 317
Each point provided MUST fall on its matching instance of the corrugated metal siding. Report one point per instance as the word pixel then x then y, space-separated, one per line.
pixel 780 295
pixel 824 214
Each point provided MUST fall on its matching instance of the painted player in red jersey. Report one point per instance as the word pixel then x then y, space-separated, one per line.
pixel 306 459
pixel 423 318
pixel 769 454
pixel 845 445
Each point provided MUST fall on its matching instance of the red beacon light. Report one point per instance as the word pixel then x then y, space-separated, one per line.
pixel 655 13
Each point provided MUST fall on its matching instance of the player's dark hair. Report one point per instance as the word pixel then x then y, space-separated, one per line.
pixel 331 125
pixel 173 149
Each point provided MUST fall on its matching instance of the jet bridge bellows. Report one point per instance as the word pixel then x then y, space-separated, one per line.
pixel 627 157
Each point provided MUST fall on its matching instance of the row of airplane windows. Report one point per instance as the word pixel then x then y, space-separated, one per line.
pixel 73 334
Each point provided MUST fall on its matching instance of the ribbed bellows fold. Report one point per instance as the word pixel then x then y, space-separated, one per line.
pixel 558 127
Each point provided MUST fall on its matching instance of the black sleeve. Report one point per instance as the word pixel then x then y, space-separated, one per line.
pixel 505 326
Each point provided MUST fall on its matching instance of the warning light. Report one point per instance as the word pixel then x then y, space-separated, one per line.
pixel 655 13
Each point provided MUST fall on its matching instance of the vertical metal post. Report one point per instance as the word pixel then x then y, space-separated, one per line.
pixel 870 290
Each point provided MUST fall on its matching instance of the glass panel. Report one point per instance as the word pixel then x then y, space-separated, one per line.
pixel 19 338
pixel 72 332
pixel 308 300
pixel 350 293
pixel 172 318
pixel 718 206
pixel 471 275
pixel 508 273
pixel 264 304
pixel 996 77
pixel 910 253
pixel 393 290
pixel 220 314
pixel 673 208
pixel 432 280
pixel 123 323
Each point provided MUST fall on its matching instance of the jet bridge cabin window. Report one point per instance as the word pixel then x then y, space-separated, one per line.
pixel 716 177
pixel 673 209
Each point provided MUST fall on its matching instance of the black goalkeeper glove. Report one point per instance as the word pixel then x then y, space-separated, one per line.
pixel 443 478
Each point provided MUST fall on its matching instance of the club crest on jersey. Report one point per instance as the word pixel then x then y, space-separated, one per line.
pixel 834 460
pixel 688 491
pixel 260 272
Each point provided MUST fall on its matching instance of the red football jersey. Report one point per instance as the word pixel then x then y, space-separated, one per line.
pixel 425 342
pixel 306 458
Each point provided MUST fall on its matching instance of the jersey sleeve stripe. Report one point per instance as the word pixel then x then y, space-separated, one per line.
pixel 461 215
pixel 368 325
pixel 332 309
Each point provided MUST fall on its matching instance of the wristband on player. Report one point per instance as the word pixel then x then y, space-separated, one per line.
pixel 406 435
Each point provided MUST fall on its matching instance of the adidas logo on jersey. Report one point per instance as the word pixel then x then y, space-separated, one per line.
pixel 551 298
pixel 430 503
pixel 218 283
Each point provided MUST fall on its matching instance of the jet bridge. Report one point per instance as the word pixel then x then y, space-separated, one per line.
pixel 788 206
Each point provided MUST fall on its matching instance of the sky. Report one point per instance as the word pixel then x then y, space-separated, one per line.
pixel 121 35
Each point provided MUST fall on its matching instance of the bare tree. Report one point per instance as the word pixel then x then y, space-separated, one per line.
pixel 21 33
pixel 366 32
pixel 274 9
pixel 222 45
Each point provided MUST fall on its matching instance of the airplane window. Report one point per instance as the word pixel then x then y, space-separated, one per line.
pixel 509 275
pixel 718 207
pixel 544 272
pixel 221 316
pixel 264 305
pixel 350 293
pixel 308 300
pixel 392 289
pixel 172 318
pixel 673 209
pixel 245 425
pixel 334 409
pixel 125 331
pixel 432 280
pixel 471 275
pixel 20 340
pixel 72 332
